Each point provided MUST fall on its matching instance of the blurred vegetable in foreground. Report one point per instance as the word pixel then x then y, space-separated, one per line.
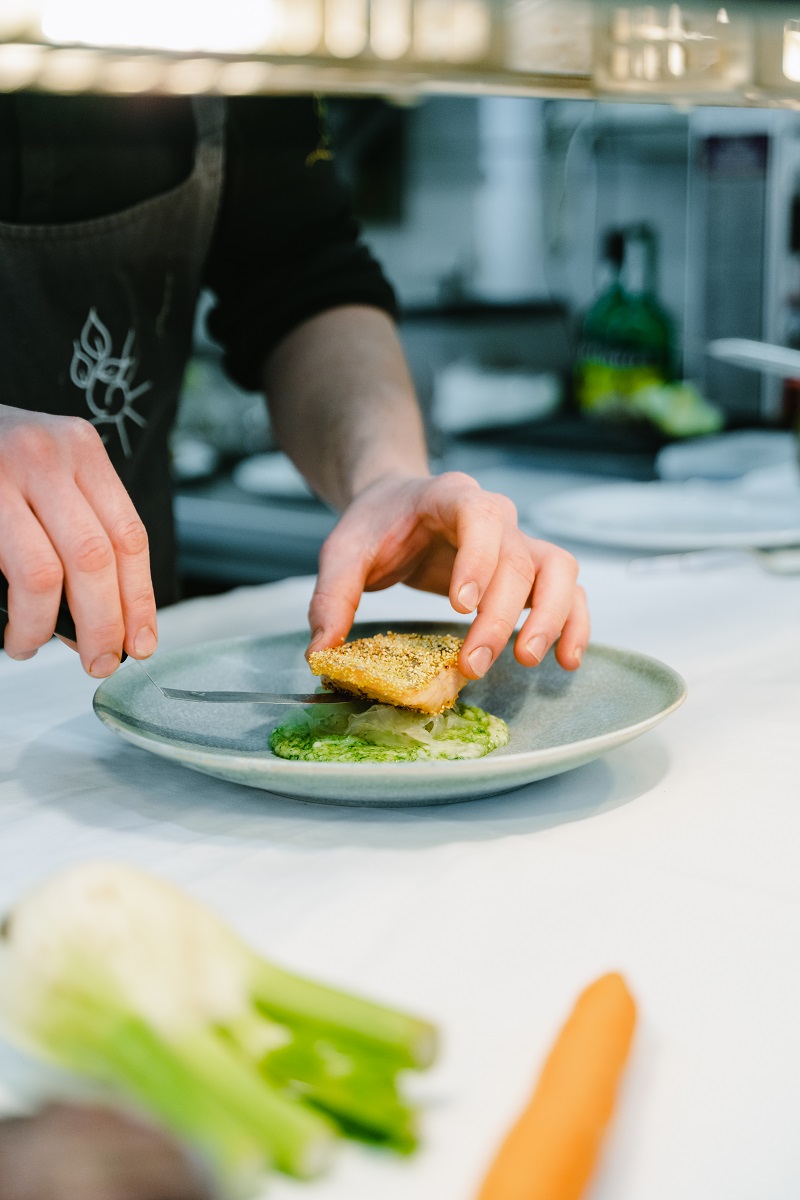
pixel 120 976
pixel 551 1151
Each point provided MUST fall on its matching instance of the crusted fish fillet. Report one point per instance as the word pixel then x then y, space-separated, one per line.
pixel 410 670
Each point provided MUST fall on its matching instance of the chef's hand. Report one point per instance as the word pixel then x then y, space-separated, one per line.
pixel 66 522
pixel 445 534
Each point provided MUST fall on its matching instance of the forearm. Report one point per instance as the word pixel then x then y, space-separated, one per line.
pixel 342 403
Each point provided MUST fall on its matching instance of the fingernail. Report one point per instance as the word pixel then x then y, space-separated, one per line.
pixel 480 660
pixel 23 656
pixel 105 665
pixel 145 642
pixel 578 655
pixel 316 636
pixel 468 596
pixel 537 647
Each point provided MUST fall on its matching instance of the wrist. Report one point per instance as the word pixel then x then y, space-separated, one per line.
pixel 390 475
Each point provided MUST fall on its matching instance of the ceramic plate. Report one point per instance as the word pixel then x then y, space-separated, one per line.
pixel 728 455
pixel 557 720
pixel 670 516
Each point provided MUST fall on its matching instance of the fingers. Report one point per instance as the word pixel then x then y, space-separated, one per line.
pixel 128 539
pixel 559 613
pixel 68 523
pixel 499 570
pixel 340 583
pixel 377 542
pixel 90 580
pixel 558 610
pixel 34 574
pixel 447 535
pixel 501 604
pixel 574 638
pixel 480 521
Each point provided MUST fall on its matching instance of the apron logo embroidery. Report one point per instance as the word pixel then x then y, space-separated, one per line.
pixel 107 379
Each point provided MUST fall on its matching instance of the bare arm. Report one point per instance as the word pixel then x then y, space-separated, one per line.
pixel 342 403
pixel 343 408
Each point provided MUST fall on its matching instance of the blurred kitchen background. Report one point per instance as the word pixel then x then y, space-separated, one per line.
pixel 590 211
pixel 562 266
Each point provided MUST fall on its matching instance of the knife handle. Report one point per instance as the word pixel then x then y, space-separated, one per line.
pixel 64 622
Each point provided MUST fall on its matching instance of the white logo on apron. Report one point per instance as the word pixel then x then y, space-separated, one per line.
pixel 106 379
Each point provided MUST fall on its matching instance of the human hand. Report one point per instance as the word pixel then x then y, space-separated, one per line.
pixel 445 534
pixel 67 524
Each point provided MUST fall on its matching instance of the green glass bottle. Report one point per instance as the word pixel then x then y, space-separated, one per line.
pixel 626 336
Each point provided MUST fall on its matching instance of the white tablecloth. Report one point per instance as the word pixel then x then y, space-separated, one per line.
pixel 675 859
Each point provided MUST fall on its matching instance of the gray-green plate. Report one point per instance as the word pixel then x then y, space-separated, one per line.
pixel 557 720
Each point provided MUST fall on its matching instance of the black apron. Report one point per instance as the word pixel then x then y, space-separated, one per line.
pixel 96 321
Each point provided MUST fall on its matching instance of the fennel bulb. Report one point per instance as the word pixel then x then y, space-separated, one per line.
pixel 120 976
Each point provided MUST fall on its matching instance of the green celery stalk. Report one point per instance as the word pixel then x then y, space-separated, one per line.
pixel 291 999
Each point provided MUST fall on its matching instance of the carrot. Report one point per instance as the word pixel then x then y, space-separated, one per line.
pixel 551 1150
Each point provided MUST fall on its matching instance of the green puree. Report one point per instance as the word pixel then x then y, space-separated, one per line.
pixel 345 733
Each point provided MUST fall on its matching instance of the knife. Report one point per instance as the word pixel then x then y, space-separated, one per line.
pixel 758 356
pixel 209 697
pixel 260 697
pixel 65 626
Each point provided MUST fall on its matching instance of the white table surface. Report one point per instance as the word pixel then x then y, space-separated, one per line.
pixel 675 859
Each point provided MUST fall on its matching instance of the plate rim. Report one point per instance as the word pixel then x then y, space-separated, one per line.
pixel 541 516
pixel 503 765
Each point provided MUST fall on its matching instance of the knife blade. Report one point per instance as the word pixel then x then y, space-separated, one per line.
pixel 258 697
pixel 206 696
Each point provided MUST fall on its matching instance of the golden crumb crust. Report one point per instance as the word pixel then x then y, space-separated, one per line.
pixel 412 670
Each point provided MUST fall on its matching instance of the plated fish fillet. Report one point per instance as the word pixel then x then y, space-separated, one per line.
pixel 409 670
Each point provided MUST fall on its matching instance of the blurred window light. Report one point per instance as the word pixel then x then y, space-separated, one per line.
pixel 791 51
pixel 644 22
pixel 390 28
pixel 20 65
pixel 191 76
pixel 676 59
pixel 244 78
pixel 451 30
pixel 346 27
pixel 432 22
pixel 300 26
pixel 68 70
pixel 548 36
pixel 128 76
pixel 621 25
pixel 471 31
pixel 18 17
pixel 675 43
pixel 650 63
pixel 620 62
pixel 180 26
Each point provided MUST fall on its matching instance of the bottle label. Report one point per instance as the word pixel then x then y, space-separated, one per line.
pixel 607 376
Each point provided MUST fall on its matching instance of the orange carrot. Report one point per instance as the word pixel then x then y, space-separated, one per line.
pixel 551 1150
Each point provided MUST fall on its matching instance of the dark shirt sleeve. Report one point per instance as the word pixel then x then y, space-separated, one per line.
pixel 286 245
